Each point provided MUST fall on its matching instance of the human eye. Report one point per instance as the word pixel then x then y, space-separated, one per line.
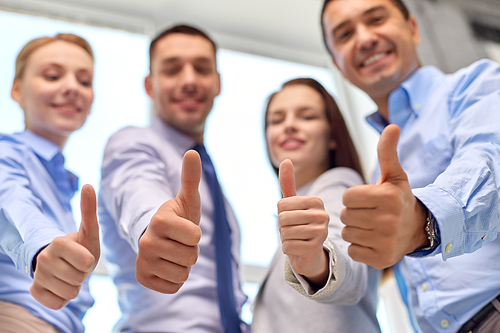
pixel 275 119
pixel 86 83
pixel 343 35
pixel 203 69
pixel 51 76
pixel 309 114
pixel 52 73
pixel 377 18
pixel 169 71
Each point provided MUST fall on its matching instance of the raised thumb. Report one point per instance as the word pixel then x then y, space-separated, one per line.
pixel 88 234
pixel 189 194
pixel 390 167
pixel 287 179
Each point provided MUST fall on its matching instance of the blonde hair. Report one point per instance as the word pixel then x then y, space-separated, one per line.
pixel 35 44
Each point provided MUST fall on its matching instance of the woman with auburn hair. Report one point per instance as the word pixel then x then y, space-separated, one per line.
pixel 44 260
pixel 310 148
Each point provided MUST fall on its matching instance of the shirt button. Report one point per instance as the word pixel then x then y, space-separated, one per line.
pixel 484 237
pixel 448 248
pixel 444 323
pixel 417 106
pixel 26 269
pixel 425 286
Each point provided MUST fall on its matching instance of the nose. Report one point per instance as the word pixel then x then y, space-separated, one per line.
pixel 71 86
pixel 188 78
pixel 367 40
pixel 290 124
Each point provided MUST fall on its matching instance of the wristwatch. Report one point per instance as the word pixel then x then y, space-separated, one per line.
pixel 431 231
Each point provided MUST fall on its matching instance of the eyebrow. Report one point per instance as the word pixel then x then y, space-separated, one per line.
pixel 177 59
pixel 366 13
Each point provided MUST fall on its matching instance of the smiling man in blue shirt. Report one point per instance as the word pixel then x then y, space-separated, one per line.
pixel 435 209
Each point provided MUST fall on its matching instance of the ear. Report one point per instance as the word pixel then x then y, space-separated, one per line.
pixel 414 30
pixel 219 84
pixel 148 86
pixel 15 92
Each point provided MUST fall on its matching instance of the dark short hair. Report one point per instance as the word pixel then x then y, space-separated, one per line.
pixel 179 29
pixel 345 154
pixel 398 3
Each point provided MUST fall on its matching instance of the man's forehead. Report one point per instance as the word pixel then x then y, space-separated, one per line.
pixel 184 46
pixel 338 10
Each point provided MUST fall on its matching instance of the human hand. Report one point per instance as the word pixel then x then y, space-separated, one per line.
pixel 169 246
pixel 65 263
pixel 383 222
pixel 303 225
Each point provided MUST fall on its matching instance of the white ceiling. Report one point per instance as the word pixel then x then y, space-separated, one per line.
pixel 287 29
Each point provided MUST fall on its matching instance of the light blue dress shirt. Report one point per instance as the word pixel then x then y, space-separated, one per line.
pixel 141 170
pixel 35 194
pixel 450 149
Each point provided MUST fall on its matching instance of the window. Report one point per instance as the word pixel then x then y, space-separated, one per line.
pixel 234 134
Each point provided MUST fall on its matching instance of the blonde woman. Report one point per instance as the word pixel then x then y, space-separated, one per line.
pixel 44 260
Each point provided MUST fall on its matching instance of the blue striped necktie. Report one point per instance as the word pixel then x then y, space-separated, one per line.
pixel 222 240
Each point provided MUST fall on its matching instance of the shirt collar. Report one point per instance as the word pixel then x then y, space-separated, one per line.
pixel 42 147
pixel 410 97
pixel 180 141
pixel 47 151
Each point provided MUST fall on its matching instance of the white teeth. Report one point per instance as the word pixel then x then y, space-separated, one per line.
pixel 373 58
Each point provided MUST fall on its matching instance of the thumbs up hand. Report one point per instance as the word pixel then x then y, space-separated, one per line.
pixel 169 246
pixel 303 225
pixel 65 263
pixel 383 222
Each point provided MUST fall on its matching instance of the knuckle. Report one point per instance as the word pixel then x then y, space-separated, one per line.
pixel 59 243
pixel 321 216
pixel 285 233
pixel 88 262
pixel 280 205
pixel 57 304
pixel 182 276
pixel 317 202
pixel 193 257
pixel 195 236
pixel 345 234
pixel 347 196
pixel 353 253
pixel 172 288
pixel 283 217
pixel 156 221
pixel 144 279
pixel 73 292
pixel 146 243
pixel 287 247
pixel 42 259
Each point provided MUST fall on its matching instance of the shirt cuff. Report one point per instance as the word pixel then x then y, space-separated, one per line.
pixel 449 218
pixel 307 287
pixel 35 244
pixel 139 228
